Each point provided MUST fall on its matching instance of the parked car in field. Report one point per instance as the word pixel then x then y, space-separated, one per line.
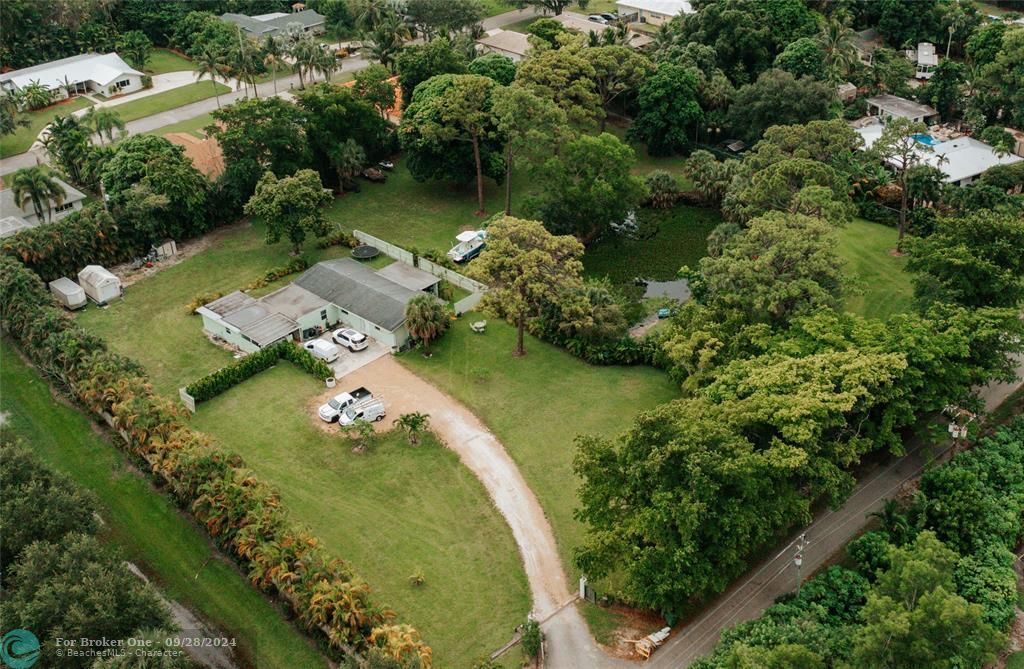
pixel 324 350
pixel 369 409
pixel 351 339
pixel 333 408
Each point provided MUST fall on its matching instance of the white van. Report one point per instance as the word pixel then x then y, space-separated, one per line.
pixel 324 350
pixel 369 409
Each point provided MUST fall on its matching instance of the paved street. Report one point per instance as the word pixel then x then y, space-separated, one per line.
pixel 829 532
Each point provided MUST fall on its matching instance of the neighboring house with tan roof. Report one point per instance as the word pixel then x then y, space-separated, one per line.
pixel 504 42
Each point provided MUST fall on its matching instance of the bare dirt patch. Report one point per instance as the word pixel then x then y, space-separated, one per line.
pixel 186 250
pixel 205 152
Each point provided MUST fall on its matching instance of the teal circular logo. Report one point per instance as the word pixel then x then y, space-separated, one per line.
pixel 20 649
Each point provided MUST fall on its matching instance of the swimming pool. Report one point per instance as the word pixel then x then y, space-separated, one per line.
pixel 927 140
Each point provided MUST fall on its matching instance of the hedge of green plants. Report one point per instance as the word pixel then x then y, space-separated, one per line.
pixel 228 377
pixel 243 514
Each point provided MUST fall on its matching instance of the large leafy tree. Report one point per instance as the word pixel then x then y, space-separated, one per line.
pixel 36 186
pixel 944 90
pixel 897 147
pixel 976 261
pixel 333 115
pixel 698 485
pixel 782 266
pixel 432 18
pixel 256 136
pixel 777 98
pixel 803 58
pixel 795 185
pixel 500 68
pixel 291 207
pixel 588 187
pixel 905 24
pixel 419 63
pixel 525 268
pixel 1003 78
pixel 531 127
pixel 374 85
pixel 76 589
pixel 555 7
pixel 448 131
pixel 565 77
pixel 913 616
pixel 669 109
pixel 618 71
pixel 164 168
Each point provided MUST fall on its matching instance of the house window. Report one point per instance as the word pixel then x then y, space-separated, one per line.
pixel 323 315
pixel 376 328
pixel 344 312
pixel 123 83
pixel 64 207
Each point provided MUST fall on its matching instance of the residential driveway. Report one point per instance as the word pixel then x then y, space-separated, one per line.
pixel 350 361
pixel 569 640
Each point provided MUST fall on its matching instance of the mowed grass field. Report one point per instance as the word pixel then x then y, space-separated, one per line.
pixel 150 323
pixel 165 60
pixel 391 512
pixel 145 526
pixel 23 136
pixel 538 404
pixel 883 285
pixel 172 99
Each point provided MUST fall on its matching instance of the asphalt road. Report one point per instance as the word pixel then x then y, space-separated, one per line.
pixel 748 597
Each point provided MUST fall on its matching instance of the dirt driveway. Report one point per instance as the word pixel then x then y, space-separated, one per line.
pixel 402 391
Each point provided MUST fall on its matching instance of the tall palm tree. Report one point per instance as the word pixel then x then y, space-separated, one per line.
pixel 272 52
pixel 347 158
pixel 836 39
pixel 304 51
pixel 426 319
pixel 104 122
pixel 35 185
pixel 386 39
pixel 326 63
pixel 244 63
pixel 210 65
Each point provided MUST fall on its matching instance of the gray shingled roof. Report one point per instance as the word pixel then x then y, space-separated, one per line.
pixel 230 302
pixel 358 289
pixel 293 301
pixel 9 208
pixel 306 18
pixel 411 277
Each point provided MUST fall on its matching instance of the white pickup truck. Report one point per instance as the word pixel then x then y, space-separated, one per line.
pixel 335 406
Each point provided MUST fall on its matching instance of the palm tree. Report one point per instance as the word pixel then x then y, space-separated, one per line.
pixel 426 319
pixel 413 424
pixel 104 122
pixel 272 52
pixel 387 39
pixel 836 39
pixel 304 51
pixel 244 64
pixel 347 158
pixel 210 64
pixel 326 63
pixel 35 95
pixel 35 185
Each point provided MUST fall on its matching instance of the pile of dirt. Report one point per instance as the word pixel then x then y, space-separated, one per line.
pixel 205 152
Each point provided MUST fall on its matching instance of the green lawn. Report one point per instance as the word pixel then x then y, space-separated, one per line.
pixel 408 213
pixel 150 323
pixel 681 239
pixel 193 126
pixel 172 99
pixel 145 526
pixel 390 512
pixel 538 404
pixel 1015 660
pixel 165 60
pixel 884 285
pixel 22 139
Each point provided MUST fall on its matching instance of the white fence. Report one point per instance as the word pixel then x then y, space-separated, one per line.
pixel 467 303
pixel 400 254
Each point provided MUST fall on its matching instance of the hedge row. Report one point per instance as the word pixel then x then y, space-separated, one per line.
pixel 228 377
pixel 243 514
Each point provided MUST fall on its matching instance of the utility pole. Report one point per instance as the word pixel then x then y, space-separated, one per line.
pixel 798 560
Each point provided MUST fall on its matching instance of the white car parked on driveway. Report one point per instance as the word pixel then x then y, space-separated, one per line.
pixel 334 407
pixel 351 339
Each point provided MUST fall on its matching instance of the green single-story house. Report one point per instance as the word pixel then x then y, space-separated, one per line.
pixel 330 294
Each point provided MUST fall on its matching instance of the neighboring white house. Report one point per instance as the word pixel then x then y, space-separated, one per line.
pixel 926 58
pixel 962 160
pixel 328 294
pixel 105 74
pixel 654 12
pixel 890 106
pixel 14 219
pixel 505 42
pixel 308 21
